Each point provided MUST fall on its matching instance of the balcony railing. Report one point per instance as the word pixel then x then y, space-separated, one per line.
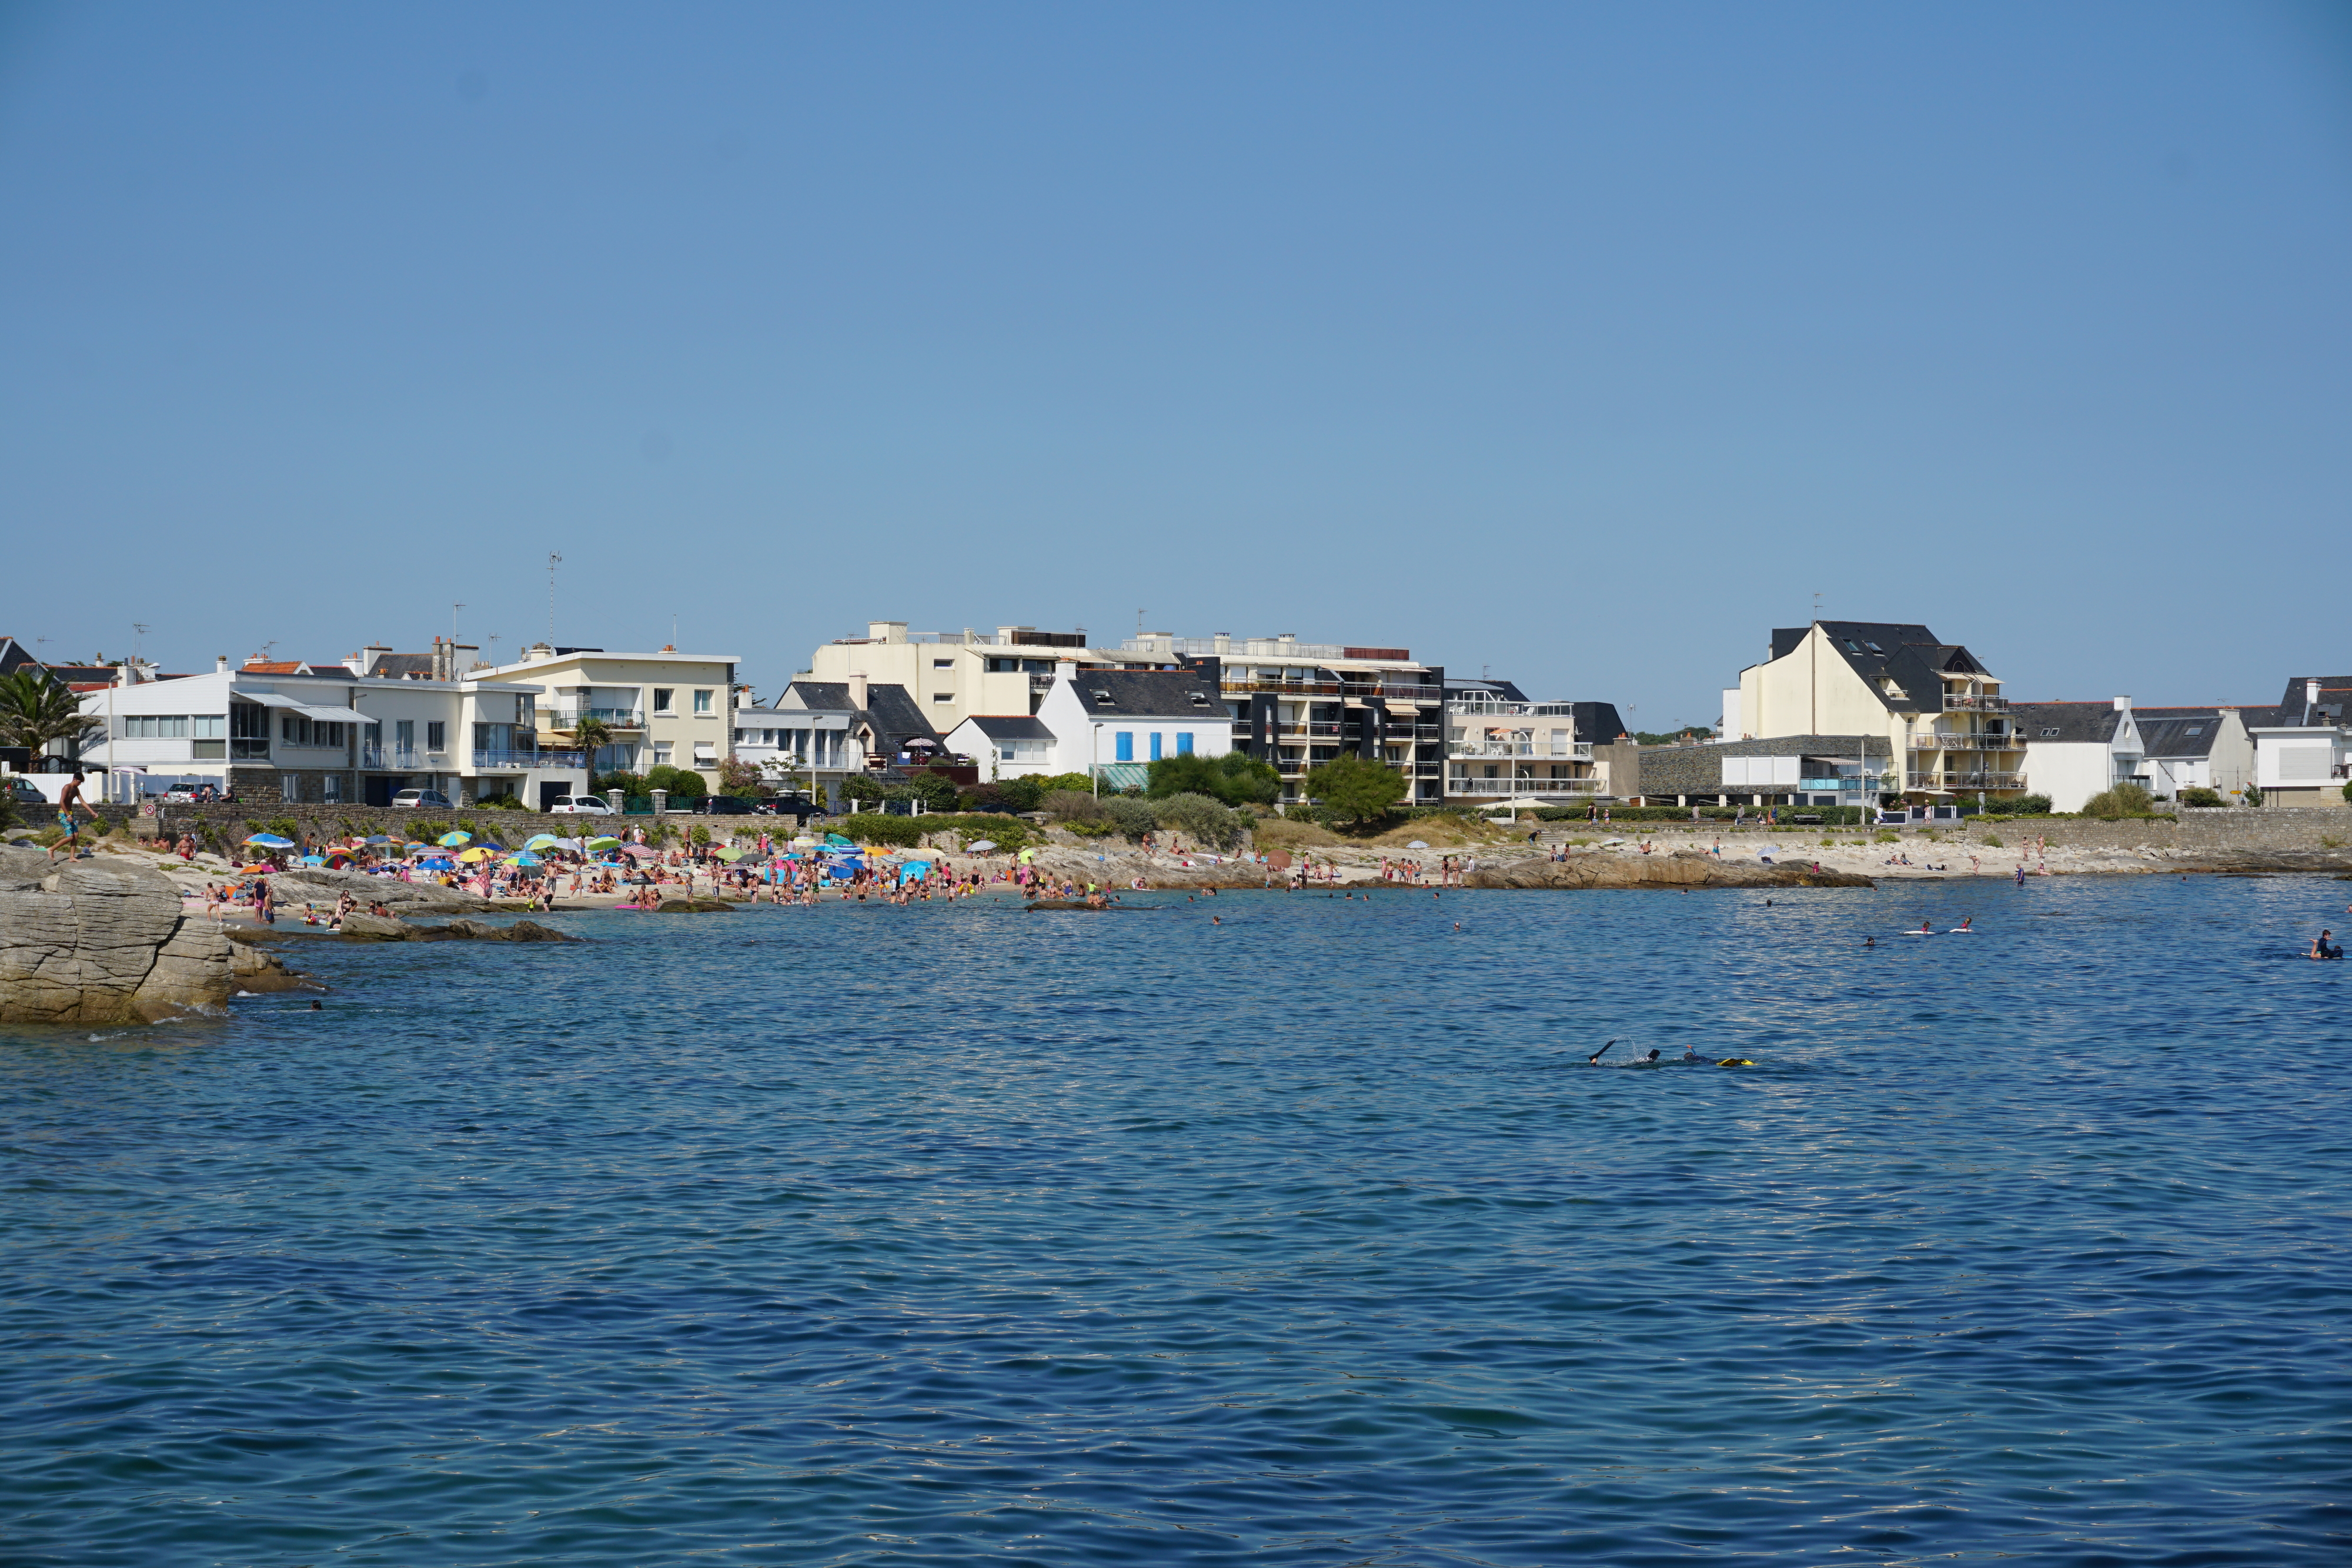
pixel 1566 751
pixel 1397 691
pixel 492 760
pixel 1311 689
pixel 1849 786
pixel 1975 704
pixel 1974 742
pixel 614 717
pixel 1966 781
pixel 1523 786
pixel 371 756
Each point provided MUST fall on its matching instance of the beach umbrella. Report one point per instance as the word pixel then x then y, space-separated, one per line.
pixel 730 854
pixel 522 857
pixel 835 839
pixel 604 842
pixel 540 840
pixel 376 838
pixel 639 852
pixel 476 854
pixel 452 840
pixel 270 841
pixel 314 859
pixel 983 847
pixel 1416 844
pixel 252 868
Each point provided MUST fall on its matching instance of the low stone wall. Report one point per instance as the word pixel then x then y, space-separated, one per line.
pixel 2219 831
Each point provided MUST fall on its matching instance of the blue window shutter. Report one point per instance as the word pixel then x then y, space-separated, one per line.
pixel 1185 744
pixel 1124 745
pixel 1155 746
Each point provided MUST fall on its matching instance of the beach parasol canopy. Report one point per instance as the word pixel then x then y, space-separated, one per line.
pixel 730 853
pixel 540 840
pixel 376 838
pixel 452 840
pixel 638 852
pixel 522 857
pixel 270 841
pixel 476 854
pixel 983 847
pixel 605 842
pixel 314 859
pixel 1417 844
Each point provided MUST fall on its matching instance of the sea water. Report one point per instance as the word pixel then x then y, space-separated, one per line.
pixel 955 1234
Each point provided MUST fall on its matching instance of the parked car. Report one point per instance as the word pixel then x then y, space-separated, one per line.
pixel 421 798
pixel 24 794
pixel 180 795
pixel 581 805
pixel 787 806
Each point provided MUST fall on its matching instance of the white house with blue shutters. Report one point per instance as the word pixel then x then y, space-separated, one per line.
pixel 1118 722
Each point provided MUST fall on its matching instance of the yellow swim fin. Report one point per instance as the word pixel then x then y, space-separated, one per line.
pixel 1735 1061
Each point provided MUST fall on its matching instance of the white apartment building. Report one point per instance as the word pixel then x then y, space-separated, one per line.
pixel 1501 746
pixel 660 709
pixel 1938 707
pixel 2304 756
pixel 1110 724
pixel 320 735
pixel 952 675
pixel 814 747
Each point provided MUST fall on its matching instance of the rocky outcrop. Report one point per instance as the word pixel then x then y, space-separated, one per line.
pixel 1656 870
pixel 103 941
pixel 379 928
pixel 693 906
pixel 318 884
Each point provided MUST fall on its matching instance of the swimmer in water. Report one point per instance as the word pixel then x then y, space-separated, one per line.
pixel 1594 1059
pixel 1869 941
pixel 2322 949
pixel 1690 1053
pixel 1216 920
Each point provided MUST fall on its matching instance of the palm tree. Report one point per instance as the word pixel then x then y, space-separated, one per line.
pixel 35 710
pixel 594 735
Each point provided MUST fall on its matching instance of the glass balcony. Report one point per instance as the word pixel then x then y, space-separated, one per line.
pixel 612 717
pixel 1566 751
pixel 1523 787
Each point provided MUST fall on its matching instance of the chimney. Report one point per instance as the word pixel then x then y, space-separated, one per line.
pixel 2311 691
pixel 220 664
pixel 885 630
pixel 2123 705
pixel 858 692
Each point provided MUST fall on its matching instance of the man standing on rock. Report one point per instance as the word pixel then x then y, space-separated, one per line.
pixel 68 800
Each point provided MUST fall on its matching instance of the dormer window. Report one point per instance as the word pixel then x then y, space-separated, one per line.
pixel 1876 649
pixel 1853 645
pixel 2196 729
pixel 1101 695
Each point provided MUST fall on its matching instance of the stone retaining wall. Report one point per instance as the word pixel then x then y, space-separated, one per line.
pixel 510 828
pixel 2219 831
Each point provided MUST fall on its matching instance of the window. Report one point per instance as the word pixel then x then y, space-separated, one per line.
pixel 740 739
pixel 1123 745
pixel 156 726
pixel 661 699
pixel 943 664
pixel 943 696
pixel 661 753
pixel 2196 729
pixel 1155 746
pixel 436 735
pixel 404 732
pixel 702 701
pixel 705 753
pixel 2049 734
pixel 1873 647
pixel 289 786
pixel 209 726
pixel 335 788
pixel 1185 744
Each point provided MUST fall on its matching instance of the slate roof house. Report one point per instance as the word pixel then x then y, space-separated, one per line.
pixel 1934 701
pixel 1117 723
pixel 2076 750
pixel 2303 756
pixel 1005 745
pixel 2196 748
pixel 885 724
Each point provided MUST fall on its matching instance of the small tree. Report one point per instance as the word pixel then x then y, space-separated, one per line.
pixel 2122 800
pixel 862 789
pixel 736 776
pixel 1356 789
pixel 593 735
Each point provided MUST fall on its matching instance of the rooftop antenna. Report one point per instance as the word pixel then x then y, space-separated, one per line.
pixel 1817 604
pixel 1139 623
pixel 141 641
pixel 553 560
pixel 453 623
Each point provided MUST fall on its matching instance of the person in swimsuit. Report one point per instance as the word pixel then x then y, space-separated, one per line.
pixel 2323 949
pixel 69 801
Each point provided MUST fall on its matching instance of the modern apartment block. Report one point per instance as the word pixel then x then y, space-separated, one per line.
pixel 664 708
pixel 956 676
pixel 1499 746
pixel 1940 710
pixel 291 730
pixel 1297 703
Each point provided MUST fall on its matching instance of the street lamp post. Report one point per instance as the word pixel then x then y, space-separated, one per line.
pixel 1094 759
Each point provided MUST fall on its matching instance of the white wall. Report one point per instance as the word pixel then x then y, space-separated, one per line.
pixel 2069 772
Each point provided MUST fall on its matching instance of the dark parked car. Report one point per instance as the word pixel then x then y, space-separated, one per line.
pixel 799 806
pixel 723 806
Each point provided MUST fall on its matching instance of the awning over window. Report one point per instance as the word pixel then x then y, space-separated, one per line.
pixel 333 715
pixel 267 699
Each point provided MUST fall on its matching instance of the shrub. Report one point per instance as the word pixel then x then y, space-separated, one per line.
pixel 1886 837
pixel 1233 779
pixel 1072 805
pixel 700 835
pixel 2026 806
pixel 1209 820
pixel 1992 840
pixel 1009 833
pixel 682 783
pixel 1095 828
pixel 626 783
pixel 1004 795
pixel 2193 796
pixel 1130 816
pixel 2122 800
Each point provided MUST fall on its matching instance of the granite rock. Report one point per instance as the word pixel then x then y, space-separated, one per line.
pixel 102 941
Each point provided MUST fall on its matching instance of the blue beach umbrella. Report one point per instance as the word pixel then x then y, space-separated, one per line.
pixel 270 841
pixel 540 840
pixel 522 858
pixel 452 840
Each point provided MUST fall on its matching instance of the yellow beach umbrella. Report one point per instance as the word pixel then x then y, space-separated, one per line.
pixel 475 855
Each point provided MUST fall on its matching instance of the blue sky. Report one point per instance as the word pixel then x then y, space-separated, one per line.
pixel 1583 343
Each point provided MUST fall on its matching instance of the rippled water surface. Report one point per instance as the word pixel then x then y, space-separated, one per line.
pixel 944 1235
